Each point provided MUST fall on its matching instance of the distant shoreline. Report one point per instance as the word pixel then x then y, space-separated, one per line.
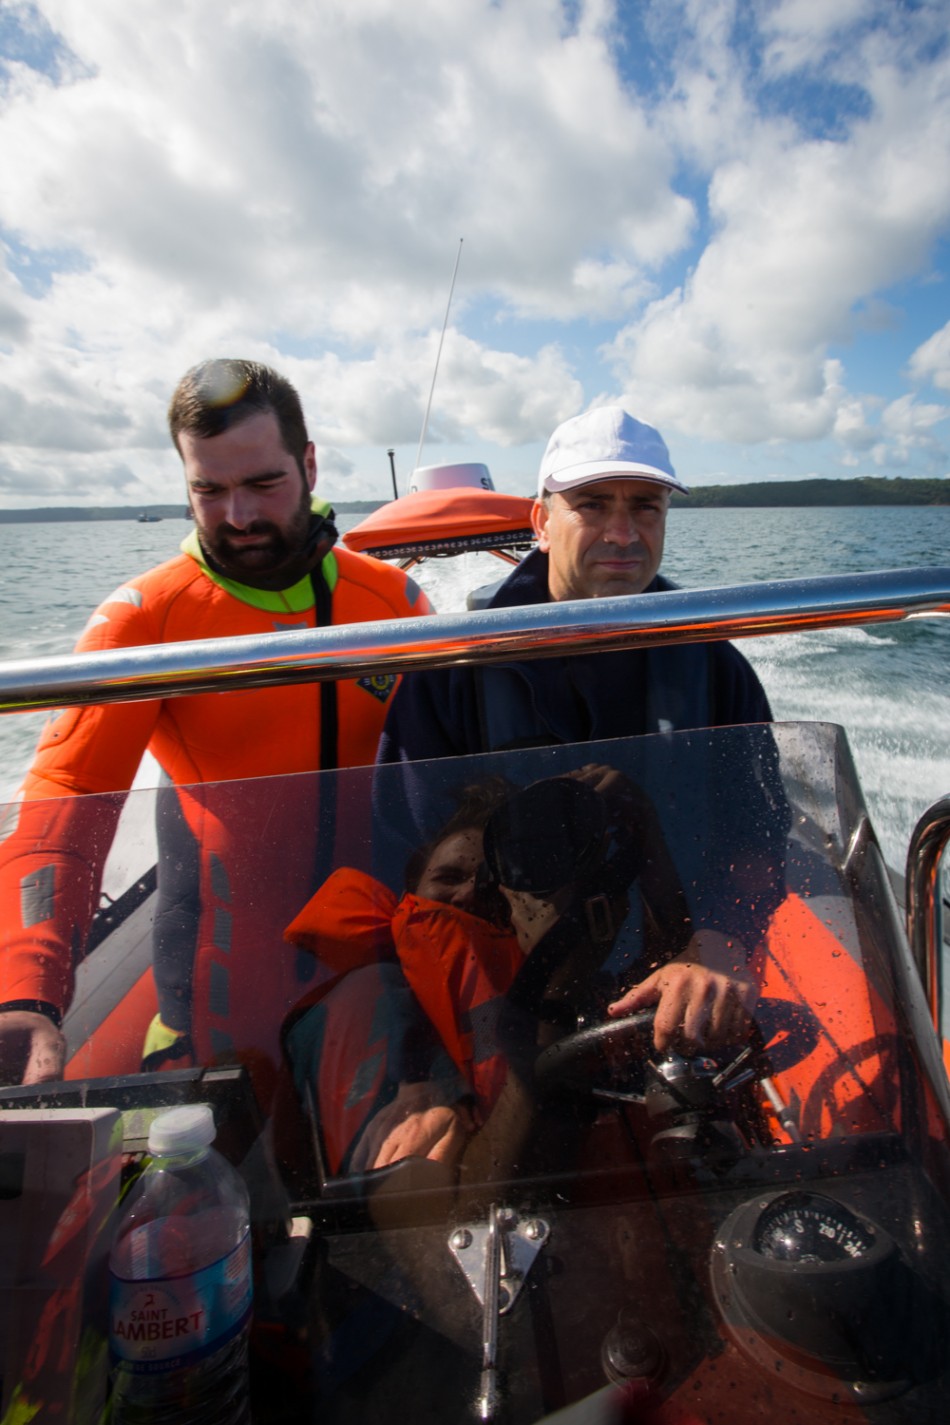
pixel 763 494
pixel 797 494
pixel 82 514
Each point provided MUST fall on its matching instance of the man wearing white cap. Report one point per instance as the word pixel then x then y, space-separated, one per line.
pixel 603 493
pixel 600 518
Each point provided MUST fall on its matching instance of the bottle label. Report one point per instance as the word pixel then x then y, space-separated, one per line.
pixel 169 1322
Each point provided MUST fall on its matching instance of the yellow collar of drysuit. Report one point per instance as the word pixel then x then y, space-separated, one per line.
pixel 297 599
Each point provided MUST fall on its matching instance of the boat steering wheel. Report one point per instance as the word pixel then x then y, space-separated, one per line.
pixel 784 1031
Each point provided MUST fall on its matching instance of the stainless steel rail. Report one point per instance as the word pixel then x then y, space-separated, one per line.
pixel 925 902
pixel 487 636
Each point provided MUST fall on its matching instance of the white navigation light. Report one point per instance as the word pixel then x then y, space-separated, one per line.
pixel 450 477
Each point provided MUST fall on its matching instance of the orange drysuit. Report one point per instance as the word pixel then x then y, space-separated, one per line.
pixel 232 871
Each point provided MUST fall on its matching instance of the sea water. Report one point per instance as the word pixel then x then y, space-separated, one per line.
pixel 887 686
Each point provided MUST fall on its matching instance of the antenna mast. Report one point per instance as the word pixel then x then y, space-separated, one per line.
pixel 438 355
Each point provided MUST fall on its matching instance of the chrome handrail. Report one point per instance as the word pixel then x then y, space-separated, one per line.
pixel 484 636
pixel 924 902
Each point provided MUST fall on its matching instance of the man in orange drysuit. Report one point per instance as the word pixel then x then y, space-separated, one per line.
pixel 260 558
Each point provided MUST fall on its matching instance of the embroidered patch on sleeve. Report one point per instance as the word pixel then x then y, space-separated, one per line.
pixel 379 684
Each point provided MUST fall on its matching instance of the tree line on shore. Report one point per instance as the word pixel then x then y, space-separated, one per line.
pixel 866 490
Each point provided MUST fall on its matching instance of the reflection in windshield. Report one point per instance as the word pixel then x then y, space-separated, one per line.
pixel 651 982
pixel 462 917
pixel 495 949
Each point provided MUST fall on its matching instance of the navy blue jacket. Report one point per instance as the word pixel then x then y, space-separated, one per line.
pixel 453 712
pixel 457 712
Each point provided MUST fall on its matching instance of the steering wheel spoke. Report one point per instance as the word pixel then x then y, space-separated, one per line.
pixel 616 1047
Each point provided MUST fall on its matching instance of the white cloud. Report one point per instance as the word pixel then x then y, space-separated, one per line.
pixel 382 399
pixel 799 33
pixel 908 442
pixel 14 310
pixel 711 110
pixel 852 428
pixel 931 361
pixel 235 178
pixel 397 131
pixel 909 417
pixel 804 232
pixel 290 182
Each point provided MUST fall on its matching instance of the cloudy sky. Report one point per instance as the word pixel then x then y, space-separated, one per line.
pixel 732 215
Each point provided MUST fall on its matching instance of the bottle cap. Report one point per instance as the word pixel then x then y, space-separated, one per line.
pixel 182 1130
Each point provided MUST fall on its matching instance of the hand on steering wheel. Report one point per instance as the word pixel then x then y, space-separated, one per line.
pixel 784 1031
pixel 697 1006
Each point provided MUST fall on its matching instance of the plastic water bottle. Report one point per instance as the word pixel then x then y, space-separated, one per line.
pixel 180 1298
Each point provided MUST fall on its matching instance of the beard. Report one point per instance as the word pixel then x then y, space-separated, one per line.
pixel 276 560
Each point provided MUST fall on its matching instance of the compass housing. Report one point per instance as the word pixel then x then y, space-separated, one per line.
pixel 814 1290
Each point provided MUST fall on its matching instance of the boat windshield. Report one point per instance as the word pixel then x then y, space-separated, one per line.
pixel 474 1185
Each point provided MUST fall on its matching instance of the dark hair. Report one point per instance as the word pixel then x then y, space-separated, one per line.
pixel 218 394
pixel 475 806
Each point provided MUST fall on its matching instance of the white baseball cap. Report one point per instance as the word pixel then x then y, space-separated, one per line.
pixel 605 444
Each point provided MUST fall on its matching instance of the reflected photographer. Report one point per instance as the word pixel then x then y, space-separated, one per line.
pixel 395 1046
pixel 498 946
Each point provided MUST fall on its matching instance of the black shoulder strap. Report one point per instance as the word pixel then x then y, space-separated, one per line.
pixel 329 753
pixel 329 720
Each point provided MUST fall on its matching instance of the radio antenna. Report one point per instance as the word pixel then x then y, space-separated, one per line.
pixel 425 422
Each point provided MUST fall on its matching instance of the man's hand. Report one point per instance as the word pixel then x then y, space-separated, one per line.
pixel 704 998
pixel 436 1133
pixel 32 1049
pixel 416 1124
pixel 627 803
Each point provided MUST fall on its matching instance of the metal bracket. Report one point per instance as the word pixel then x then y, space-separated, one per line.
pixel 519 1241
